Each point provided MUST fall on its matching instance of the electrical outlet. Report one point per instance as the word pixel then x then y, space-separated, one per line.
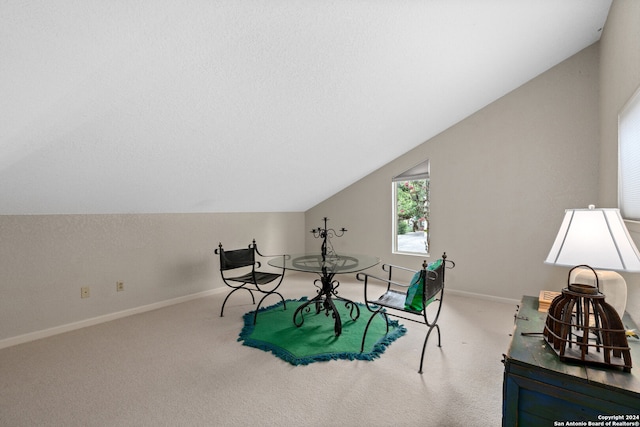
pixel 119 286
pixel 84 292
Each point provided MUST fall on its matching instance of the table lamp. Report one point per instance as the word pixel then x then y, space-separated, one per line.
pixel 582 326
pixel 599 239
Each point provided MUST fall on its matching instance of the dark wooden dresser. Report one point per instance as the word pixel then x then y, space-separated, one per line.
pixel 540 390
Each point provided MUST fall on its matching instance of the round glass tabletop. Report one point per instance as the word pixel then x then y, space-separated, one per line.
pixel 333 263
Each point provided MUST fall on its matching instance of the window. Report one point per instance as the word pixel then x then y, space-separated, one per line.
pixel 411 210
pixel 629 159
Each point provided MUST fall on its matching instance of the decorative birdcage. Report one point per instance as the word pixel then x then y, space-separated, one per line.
pixel 583 328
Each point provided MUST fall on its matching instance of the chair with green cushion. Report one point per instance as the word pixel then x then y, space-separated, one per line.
pixel 238 269
pixel 417 300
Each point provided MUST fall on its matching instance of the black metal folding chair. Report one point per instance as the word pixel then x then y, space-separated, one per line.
pixel 398 301
pixel 244 263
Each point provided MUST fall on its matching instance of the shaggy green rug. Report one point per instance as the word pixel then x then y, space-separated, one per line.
pixel 315 340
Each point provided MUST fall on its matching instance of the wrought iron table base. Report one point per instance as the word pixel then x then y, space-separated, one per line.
pixel 324 301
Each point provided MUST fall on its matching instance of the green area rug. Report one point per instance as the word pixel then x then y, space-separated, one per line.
pixel 315 340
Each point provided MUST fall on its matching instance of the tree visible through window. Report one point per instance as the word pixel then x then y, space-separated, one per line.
pixel 411 210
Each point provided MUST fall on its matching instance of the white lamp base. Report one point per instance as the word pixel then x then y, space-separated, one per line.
pixel 611 283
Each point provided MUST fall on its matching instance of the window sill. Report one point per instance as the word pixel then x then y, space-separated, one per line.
pixel 417 254
pixel 632 226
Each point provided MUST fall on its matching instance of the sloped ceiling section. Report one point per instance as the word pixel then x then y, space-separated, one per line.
pixel 248 105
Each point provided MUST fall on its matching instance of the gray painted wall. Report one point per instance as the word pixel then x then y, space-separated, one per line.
pixel 500 182
pixel 619 80
pixel 46 259
pixel 502 178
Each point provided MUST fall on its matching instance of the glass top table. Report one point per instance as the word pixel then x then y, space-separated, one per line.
pixel 327 266
pixel 334 263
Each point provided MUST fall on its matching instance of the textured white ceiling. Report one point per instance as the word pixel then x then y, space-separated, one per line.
pixel 249 105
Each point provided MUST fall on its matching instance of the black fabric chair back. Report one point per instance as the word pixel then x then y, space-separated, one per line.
pixel 237 258
pixel 434 282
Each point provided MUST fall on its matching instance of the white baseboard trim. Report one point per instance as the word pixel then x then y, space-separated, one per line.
pixel 32 336
pixel 482 296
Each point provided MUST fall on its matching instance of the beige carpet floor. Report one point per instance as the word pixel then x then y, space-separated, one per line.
pixel 183 366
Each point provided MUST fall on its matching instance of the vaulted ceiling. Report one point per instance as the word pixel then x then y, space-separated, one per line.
pixel 249 105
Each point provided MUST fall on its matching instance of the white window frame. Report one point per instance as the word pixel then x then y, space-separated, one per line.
pixel 629 159
pixel 419 172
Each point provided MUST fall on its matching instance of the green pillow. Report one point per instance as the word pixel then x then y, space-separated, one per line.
pixel 413 301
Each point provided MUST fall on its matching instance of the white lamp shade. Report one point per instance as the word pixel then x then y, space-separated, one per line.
pixel 597 238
